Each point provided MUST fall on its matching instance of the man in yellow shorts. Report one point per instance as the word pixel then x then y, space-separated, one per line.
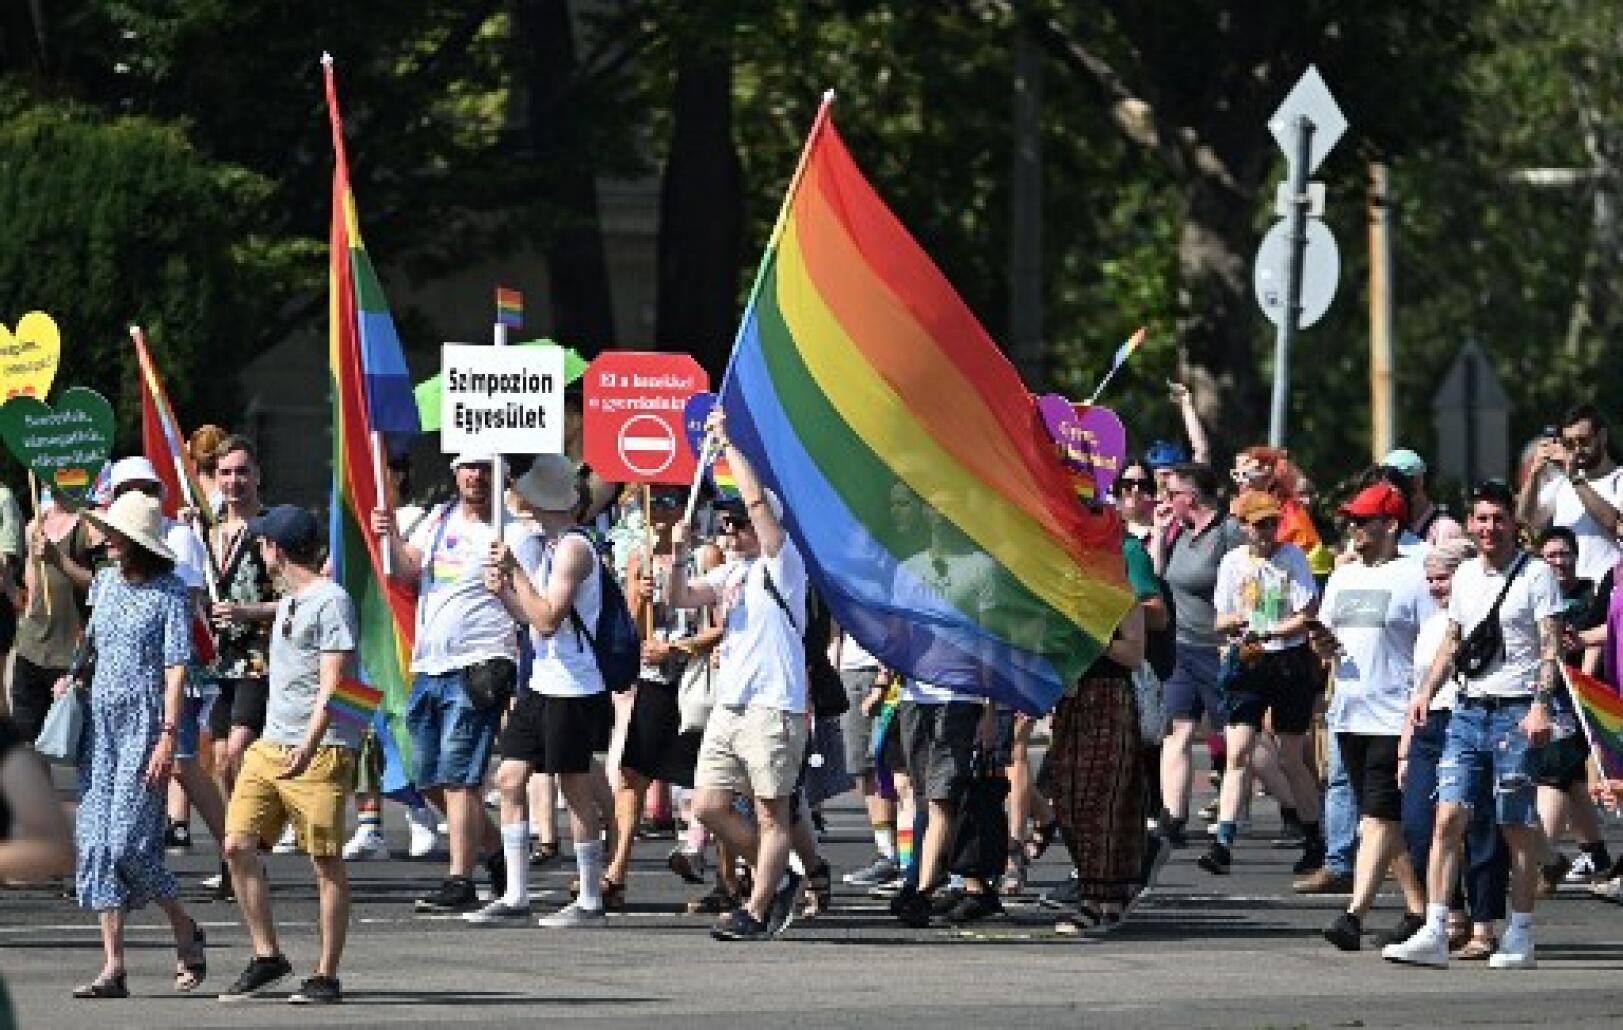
pixel 302 768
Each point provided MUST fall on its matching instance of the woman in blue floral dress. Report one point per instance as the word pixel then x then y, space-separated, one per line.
pixel 140 635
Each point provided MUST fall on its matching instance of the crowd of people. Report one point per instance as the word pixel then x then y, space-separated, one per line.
pixel 1397 692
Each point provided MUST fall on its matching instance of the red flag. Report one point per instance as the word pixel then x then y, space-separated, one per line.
pixel 156 449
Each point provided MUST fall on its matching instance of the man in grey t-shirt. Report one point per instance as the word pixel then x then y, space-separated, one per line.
pixel 302 768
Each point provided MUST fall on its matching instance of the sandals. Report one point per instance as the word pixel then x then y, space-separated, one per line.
pixel 1041 837
pixel 819 892
pixel 718 902
pixel 1477 949
pixel 194 969
pixel 103 987
pixel 1013 883
pixel 1089 919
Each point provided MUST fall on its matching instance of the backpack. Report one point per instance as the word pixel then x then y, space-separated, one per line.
pixel 614 641
pixel 824 688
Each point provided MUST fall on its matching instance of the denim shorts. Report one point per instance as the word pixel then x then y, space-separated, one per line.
pixel 1191 690
pixel 1487 759
pixel 451 740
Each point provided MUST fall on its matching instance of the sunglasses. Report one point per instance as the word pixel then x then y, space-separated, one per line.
pixel 667 502
pixel 735 522
pixel 287 623
pixel 1134 483
pixel 1361 520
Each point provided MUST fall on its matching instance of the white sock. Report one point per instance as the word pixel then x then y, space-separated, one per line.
pixel 589 864
pixel 1437 918
pixel 516 851
pixel 1522 921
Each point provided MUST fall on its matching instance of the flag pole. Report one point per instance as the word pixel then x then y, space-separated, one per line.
pixel 1589 738
pixel 498 464
pixel 707 453
pixel 39 519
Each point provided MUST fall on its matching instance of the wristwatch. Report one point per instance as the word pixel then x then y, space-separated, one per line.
pixel 1577 477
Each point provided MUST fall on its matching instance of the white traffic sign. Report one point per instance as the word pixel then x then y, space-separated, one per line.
pixel 647 445
pixel 1321 269
pixel 1310 97
pixel 501 400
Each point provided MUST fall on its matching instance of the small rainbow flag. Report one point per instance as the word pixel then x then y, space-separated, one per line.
pixel 1602 712
pixel 355 702
pixel 509 307
pixel 1125 351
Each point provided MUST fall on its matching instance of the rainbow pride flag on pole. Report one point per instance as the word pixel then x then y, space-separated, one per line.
pixel 1601 710
pixel 919 483
pixel 371 394
pixel 509 307
pixel 354 702
pixel 162 441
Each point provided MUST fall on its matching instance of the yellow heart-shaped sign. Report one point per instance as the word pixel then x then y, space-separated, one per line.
pixel 28 357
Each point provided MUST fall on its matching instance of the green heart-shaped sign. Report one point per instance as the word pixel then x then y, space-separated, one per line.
pixel 66 446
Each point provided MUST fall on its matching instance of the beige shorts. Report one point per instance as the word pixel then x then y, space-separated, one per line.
pixel 753 751
pixel 262 804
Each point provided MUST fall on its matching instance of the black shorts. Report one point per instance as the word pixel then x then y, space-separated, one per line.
pixel 1372 770
pixel 1285 683
pixel 655 747
pixel 8 625
pixel 241 703
pixel 558 735
pixel 1561 763
pixel 937 740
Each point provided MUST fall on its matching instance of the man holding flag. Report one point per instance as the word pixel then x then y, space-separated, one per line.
pixel 302 768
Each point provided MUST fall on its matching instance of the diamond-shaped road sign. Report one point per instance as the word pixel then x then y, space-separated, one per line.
pixel 1310 97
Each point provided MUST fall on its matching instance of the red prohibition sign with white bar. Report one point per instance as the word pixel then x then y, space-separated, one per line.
pixel 632 420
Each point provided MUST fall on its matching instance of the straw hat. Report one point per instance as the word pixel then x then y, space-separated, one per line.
pixel 138 518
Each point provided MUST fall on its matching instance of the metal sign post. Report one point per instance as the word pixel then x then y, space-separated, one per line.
pixel 1296 235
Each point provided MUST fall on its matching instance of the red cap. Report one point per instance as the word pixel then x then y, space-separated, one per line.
pixel 1381 500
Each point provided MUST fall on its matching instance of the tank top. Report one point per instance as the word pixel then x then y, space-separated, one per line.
pixel 564 663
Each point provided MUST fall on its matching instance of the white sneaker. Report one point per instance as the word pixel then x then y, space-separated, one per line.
pixel 1427 947
pixel 288 845
pixel 424 837
pixel 366 846
pixel 499 912
pixel 1515 951
pixel 212 883
pixel 574 916
pixel 1583 869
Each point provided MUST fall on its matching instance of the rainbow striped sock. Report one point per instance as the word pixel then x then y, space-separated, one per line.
pixel 904 845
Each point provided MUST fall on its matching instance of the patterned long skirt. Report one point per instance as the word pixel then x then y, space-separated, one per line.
pixel 1094 776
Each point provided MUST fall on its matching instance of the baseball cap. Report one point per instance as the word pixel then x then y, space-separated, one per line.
pixel 735 505
pixel 287 525
pixel 467 458
pixel 1405 461
pixel 1380 500
pixel 134 469
pixel 1164 454
pixel 1252 506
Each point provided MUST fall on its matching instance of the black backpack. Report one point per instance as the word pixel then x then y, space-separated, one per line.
pixel 823 684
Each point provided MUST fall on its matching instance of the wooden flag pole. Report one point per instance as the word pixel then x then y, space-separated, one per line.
pixel 498 464
pixel 647 613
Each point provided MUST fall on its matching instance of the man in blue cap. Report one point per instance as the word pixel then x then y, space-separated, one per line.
pixel 1426 520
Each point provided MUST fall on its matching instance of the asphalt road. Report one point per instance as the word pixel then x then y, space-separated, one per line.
pixel 1203 951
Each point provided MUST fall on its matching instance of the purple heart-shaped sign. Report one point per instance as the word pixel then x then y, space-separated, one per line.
pixel 1106 442
pixel 1060 419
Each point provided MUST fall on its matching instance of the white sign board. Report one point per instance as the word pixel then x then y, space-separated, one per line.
pixel 501 400
pixel 1321 268
pixel 1309 98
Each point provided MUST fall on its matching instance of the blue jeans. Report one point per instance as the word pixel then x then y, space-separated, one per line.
pixel 451 740
pixel 1340 816
pixel 1487 860
pixel 1489 762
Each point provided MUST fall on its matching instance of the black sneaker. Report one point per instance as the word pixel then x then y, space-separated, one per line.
pixel 177 838
pixel 1346 933
pixel 1172 830
pixel 496 869
pixel 785 900
pixel 972 908
pixel 1411 924
pixel 657 829
pixel 261 975
pixel 225 890
pixel 1312 858
pixel 914 909
pixel 456 894
pixel 739 925
pixel 902 898
pixel 318 990
pixel 1216 860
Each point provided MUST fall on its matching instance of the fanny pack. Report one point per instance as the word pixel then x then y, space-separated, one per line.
pixel 489 684
pixel 1486 641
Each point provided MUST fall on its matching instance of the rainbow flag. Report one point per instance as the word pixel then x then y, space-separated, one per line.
pixel 371 394
pixel 354 702
pixel 1602 712
pixel 1125 351
pixel 919 482
pixel 509 307
pixel 163 443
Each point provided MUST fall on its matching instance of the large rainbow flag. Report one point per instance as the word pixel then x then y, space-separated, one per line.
pixel 162 442
pixel 371 394
pixel 1602 712
pixel 920 486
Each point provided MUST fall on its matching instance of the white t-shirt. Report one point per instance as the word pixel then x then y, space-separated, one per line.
pixel 763 662
pixel 459 622
pixel 1376 613
pixel 1598 550
pixel 191 558
pixel 1426 644
pixel 1266 591
pixel 1534 595
pixel 1411 546
pixel 564 663
pixel 961 582
pixel 853 656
